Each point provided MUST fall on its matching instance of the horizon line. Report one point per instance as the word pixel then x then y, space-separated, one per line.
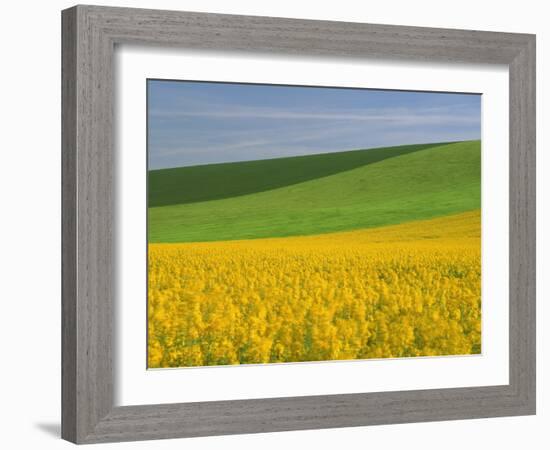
pixel 303 156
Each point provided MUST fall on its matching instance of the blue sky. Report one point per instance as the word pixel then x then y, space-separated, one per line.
pixel 194 123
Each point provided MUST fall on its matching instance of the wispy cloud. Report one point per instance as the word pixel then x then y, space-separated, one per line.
pixel 406 116
pixel 203 123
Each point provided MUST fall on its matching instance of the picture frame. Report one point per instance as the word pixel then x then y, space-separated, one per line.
pixel 90 34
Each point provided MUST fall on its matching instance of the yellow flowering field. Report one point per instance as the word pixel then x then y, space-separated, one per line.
pixel 399 291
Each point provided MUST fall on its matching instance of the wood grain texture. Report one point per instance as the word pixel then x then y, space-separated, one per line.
pixel 88 262
pixel 89 36
pixel 68 226
pixel 523 224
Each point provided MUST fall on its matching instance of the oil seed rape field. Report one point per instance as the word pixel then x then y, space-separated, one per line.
pixel 396 291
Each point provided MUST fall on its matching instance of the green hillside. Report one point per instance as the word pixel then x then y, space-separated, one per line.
pixel 418 185
pixel 217 181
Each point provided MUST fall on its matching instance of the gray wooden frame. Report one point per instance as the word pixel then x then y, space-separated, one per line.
pixel 89 36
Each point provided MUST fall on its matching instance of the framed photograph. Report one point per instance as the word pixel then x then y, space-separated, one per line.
pixel 278 224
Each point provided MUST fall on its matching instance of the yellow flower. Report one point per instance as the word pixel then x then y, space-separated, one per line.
pixel 376 293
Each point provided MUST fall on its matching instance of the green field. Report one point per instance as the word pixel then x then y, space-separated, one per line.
pixel 313 194
pixel 216 181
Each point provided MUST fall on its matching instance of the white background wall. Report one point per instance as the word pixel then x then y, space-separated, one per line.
pixel 30 222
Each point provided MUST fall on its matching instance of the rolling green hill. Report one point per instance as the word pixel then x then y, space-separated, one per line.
pixel 217 181
pixel 426 183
